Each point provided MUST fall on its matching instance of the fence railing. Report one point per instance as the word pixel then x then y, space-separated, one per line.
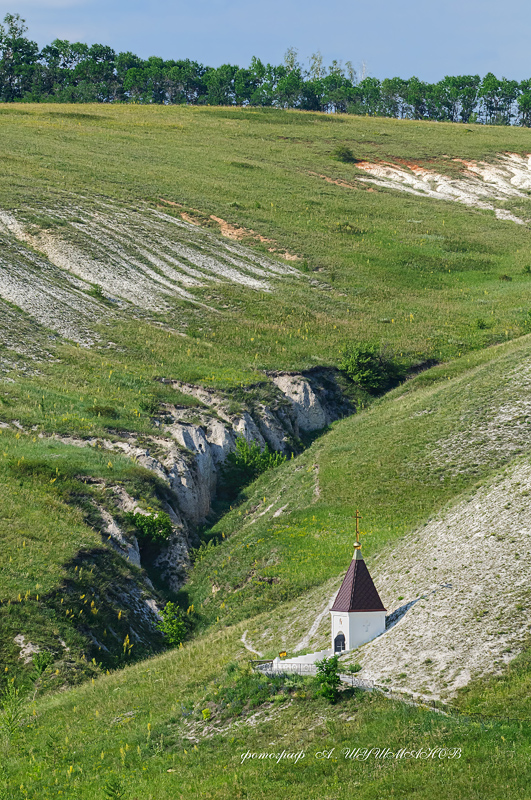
pixel 267 668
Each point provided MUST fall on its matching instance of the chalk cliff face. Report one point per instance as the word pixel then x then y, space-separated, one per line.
pixel 300 403
pixel 309 412
pixel 192 446
pixel 189 461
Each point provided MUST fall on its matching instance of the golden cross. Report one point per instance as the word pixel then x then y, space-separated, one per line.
pixel 358 517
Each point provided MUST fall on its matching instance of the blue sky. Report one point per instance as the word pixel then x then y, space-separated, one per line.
pixel 411 37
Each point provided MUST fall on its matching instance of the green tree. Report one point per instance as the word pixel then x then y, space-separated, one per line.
pixel 220 85
pixel 289 89
pixel 267 78
pixel 524 104
pixel 456 97
pixel 246 82
pixel 18 56
pixel 181 82
pixel 371 367
pixel 468 90
pixel 392 94
pixel 497 99
pixel 415 98
pixel 337 89
pixel 365 98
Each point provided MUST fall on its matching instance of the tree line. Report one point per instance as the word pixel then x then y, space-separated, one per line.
pixel 74 72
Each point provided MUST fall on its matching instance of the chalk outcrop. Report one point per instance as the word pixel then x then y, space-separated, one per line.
pixel 201 438
pixel 193 444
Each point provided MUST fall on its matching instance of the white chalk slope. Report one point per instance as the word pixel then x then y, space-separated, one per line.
pixel 142 259
pixel 482 185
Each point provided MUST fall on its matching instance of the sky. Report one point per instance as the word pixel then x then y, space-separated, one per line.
pixel 391 38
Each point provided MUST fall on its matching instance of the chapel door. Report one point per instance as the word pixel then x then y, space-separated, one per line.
pixel 339 643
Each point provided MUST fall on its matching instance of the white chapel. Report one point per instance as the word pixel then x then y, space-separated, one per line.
pixel 358 614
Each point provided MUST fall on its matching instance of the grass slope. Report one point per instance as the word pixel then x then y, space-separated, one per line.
pixel 177 725
pixel 62 586
pixel 144 728
pixel 415 272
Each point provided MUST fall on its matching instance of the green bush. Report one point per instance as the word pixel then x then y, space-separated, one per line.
pixel 113 789
pixel 172 623
pixel 11 713
pixel 41 661
pixel 151 527
pixel 246 463
pixel 96 291
pixel 150 405
pixel 372 368
pixel 328 678
pixel 344 153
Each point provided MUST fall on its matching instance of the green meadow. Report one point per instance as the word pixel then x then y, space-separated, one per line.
pixel 435 283
pixel 177 727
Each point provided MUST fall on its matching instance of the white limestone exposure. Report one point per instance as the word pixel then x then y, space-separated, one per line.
pixel 308 411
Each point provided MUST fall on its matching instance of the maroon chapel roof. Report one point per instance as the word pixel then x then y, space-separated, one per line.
pixel 357 592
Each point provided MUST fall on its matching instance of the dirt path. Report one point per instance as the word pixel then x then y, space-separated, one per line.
pixel 305 641
pixel 248 646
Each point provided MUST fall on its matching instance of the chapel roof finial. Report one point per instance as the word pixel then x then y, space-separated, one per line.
pixel 357 543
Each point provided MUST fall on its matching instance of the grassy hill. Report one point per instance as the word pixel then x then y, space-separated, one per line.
pixel 180 723
pixel 141 246
pixel 89 197
pixel 147 731
pixel 411 453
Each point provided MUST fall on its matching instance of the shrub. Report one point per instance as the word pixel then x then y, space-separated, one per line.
pixel 344 153
pixel 372 368
pixel 349 228
pixel 150 405
pixel 96 291
pixel 328 678
pixel 353 668
pixel 41 661
pixel 11 713
pixel 113 789
pixel 246 463
pixel 151 527
pixel 172 623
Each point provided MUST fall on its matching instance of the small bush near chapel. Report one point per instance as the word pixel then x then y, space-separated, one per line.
pixel 328 678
